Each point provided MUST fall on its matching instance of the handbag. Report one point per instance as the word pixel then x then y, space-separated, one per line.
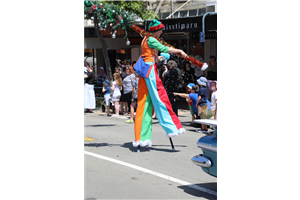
pixel 141 68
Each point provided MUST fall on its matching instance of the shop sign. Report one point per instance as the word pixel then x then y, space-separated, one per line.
pixel 187 24
pixel 180 24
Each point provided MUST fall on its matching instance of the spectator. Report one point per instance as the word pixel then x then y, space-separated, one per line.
pixel 212 69
pixel 118 70
pixel 122 101
pixel 127 88
pixel 171 81
pixel 116 87
pixel 89 93
pixel 193 96
pixel 107 97
pixel 118 62
pixel 212 85
pixel 190 103
pixel 135 84
pixel 124 65
pixel 101 76
pixel 187 74
pixel 85 72
pixel 202 103
pixel 198 71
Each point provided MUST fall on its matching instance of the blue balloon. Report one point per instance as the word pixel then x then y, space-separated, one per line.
pixel 165 55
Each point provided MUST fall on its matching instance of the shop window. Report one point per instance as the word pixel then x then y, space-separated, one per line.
pixel 183 13
pixel 201 11
pixel 165 15
pixel 175 15
pixel 192 12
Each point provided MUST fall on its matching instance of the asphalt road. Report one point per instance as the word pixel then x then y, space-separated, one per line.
pixel 114 170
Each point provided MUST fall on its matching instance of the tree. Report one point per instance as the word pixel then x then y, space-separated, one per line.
pixel 113 15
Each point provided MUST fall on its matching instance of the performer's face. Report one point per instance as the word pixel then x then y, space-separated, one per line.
pixel 158 33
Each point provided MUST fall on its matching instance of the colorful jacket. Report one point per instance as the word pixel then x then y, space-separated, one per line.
pixel 150 47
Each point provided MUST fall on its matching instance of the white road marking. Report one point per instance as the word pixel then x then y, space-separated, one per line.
pixel 153 173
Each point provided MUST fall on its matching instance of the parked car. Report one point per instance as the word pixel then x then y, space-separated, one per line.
pixel 208 144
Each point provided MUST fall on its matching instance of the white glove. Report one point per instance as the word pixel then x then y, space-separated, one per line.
pixel 204 67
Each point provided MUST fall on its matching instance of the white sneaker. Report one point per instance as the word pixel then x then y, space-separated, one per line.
pixel 201 131
pixel 204 67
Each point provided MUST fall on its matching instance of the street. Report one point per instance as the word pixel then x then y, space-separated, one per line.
pixel 114 170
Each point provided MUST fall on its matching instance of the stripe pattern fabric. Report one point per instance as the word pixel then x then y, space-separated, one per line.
pixel 151 92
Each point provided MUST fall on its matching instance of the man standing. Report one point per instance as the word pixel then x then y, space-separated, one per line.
pixel 212 69
pixel 171 82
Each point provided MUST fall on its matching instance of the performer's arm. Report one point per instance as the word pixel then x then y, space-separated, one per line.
pixel 183 95
pixel 172 50
pixel 155 44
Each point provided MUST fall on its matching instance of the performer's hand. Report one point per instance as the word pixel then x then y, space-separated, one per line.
pixel 160 58
pixel 175 94
pixel 183 54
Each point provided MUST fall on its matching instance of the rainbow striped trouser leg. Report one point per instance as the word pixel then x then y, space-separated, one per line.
pixel 151 92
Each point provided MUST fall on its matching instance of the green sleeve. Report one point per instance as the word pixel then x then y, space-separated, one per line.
pixel 155 44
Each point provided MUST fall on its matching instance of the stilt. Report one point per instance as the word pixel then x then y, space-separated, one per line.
pixel 138 149
pixel 172 144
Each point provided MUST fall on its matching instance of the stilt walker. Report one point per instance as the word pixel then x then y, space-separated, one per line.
pixel 151 91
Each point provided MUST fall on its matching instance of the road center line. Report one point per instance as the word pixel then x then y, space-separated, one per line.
pixel 153 173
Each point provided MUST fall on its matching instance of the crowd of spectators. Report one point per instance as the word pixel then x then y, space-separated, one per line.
pixel 177 79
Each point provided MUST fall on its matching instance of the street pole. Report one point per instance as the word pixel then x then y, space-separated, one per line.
pixel 203 21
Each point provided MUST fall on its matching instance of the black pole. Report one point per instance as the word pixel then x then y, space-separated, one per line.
pixel 172 144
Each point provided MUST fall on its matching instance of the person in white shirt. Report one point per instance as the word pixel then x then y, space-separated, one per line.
pixel 213 87
pixel 116 94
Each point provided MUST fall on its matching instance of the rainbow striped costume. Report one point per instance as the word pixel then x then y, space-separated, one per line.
pixel 151 92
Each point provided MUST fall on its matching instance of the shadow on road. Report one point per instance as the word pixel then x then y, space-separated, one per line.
pixel 96 125
pixel 197 193
pixel 130 147
pixel 96 144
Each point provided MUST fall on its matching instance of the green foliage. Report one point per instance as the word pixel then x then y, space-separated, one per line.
pixel 116 14
pixel 139 8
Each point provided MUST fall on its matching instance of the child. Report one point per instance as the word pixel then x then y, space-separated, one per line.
pixel 202 103
pixel 193 96
pixel 213 87
pixel 190 103
pixel 116 87
pixel 134 97
pixel 106 92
